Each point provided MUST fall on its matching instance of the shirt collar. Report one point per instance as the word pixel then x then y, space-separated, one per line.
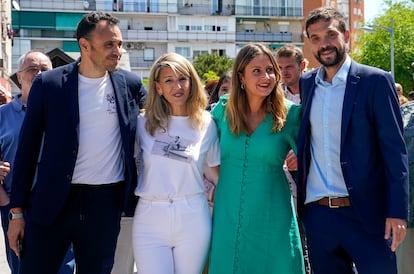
pixel 340 76
pixel 17 103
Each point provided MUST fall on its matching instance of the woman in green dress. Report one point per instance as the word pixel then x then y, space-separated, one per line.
pixel 255 230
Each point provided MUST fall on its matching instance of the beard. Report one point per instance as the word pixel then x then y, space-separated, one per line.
pixel 340 54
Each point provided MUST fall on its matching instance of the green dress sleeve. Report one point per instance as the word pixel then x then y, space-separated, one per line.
pixel 293 124
pixel 218 112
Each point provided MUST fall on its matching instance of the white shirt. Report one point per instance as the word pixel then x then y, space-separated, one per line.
pixel 99 158
pixel 173 160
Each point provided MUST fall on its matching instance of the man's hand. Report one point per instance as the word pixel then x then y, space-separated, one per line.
pixel 291 161
pixel 15 233
pixel 4 170
pixel 398 229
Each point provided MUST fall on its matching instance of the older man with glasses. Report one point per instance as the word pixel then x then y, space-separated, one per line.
pixel 11 119
pixel 12 114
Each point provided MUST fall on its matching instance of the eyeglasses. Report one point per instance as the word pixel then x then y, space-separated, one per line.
pixel 34 70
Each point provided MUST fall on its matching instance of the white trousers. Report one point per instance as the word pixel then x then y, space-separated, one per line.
pixel 171 236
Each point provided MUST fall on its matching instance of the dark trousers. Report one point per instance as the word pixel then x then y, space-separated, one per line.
pixel 336 240
pixel 90 221
pixel 67 266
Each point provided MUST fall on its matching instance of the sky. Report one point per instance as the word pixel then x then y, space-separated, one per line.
pixel 372 8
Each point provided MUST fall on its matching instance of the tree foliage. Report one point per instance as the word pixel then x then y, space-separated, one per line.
pixel 374 48
pixel 211 66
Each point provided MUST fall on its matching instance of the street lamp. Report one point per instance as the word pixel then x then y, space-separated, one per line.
pixel 391 33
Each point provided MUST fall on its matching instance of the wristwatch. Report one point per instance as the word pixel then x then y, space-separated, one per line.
pixel 13 216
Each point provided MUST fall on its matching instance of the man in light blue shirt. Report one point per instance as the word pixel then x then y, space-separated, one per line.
pixel 352 158
pixel 325 175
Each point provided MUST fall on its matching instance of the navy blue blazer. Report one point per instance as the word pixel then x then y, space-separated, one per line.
pixel 53 114
pixel 373 154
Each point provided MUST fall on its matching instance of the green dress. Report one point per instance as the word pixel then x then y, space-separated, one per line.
pixel 255 230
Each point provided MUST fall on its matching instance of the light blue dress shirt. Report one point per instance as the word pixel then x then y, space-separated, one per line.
pixel 325 177
pixel 11 120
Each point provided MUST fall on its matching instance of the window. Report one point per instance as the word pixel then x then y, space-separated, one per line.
pixel 184 51
pixel 199 52
pixel 219 52
pixel 149 54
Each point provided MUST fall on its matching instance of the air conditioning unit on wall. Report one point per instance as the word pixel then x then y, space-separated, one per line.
pixel 134 45
pixel 129 46
pixel 139 45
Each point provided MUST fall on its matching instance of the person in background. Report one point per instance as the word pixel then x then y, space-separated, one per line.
pixel 222 87
pixel 172 221
pixel 209 87
pixel 405 253
pixel 5 97
pixel 11 118
pixel 254 222
pixel 292 64
pixel 411 96
pixel 352 159
pixel 400 92
pixel 210 177
pixel 30 65
pixel 76 144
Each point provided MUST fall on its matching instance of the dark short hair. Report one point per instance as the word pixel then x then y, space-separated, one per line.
pixel 214 94
pixel 325 14
pixel 90 21
pixel 411 95
pixel 290 50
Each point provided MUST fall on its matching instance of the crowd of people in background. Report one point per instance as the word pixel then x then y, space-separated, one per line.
pixel 271 168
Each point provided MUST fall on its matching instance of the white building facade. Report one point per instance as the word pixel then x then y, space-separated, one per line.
pixel 151 28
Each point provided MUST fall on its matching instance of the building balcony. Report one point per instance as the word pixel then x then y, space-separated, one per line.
pixel 185 36
pixel 135 63
pixel 287 11
pixel 264 36
pixel 128 6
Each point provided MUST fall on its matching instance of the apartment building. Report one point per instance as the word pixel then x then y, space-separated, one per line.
pixel 354 14
pixel 151 28
pixel 6 39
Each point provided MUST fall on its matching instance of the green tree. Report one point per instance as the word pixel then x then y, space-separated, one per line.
pixel 211 66
pixel 373 48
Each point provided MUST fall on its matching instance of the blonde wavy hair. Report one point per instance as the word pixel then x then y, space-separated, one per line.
pixel 238 106
pixel 158 110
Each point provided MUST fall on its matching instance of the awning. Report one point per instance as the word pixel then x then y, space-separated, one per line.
pixel 34 20
pixel 70 46
pixel 241 19
pixel 68 21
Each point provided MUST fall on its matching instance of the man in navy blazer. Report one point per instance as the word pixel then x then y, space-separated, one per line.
pixel 74 172
pixel 352 159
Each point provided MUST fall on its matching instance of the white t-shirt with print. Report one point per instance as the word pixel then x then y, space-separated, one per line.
pixel 173 160
pixel 99 159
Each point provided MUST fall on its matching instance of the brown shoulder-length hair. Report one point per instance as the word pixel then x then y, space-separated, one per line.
pixel 158 110
pixel 237 106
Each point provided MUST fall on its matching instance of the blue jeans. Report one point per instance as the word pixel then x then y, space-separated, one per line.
pixel 68 263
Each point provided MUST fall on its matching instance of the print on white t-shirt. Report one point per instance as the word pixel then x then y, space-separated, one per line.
pixel 173 147
pixel 110 98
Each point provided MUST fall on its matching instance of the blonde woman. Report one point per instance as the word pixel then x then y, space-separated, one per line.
pixel 254 221
pixel 172 223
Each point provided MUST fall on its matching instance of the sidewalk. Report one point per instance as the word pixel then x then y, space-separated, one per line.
pixel 4 267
